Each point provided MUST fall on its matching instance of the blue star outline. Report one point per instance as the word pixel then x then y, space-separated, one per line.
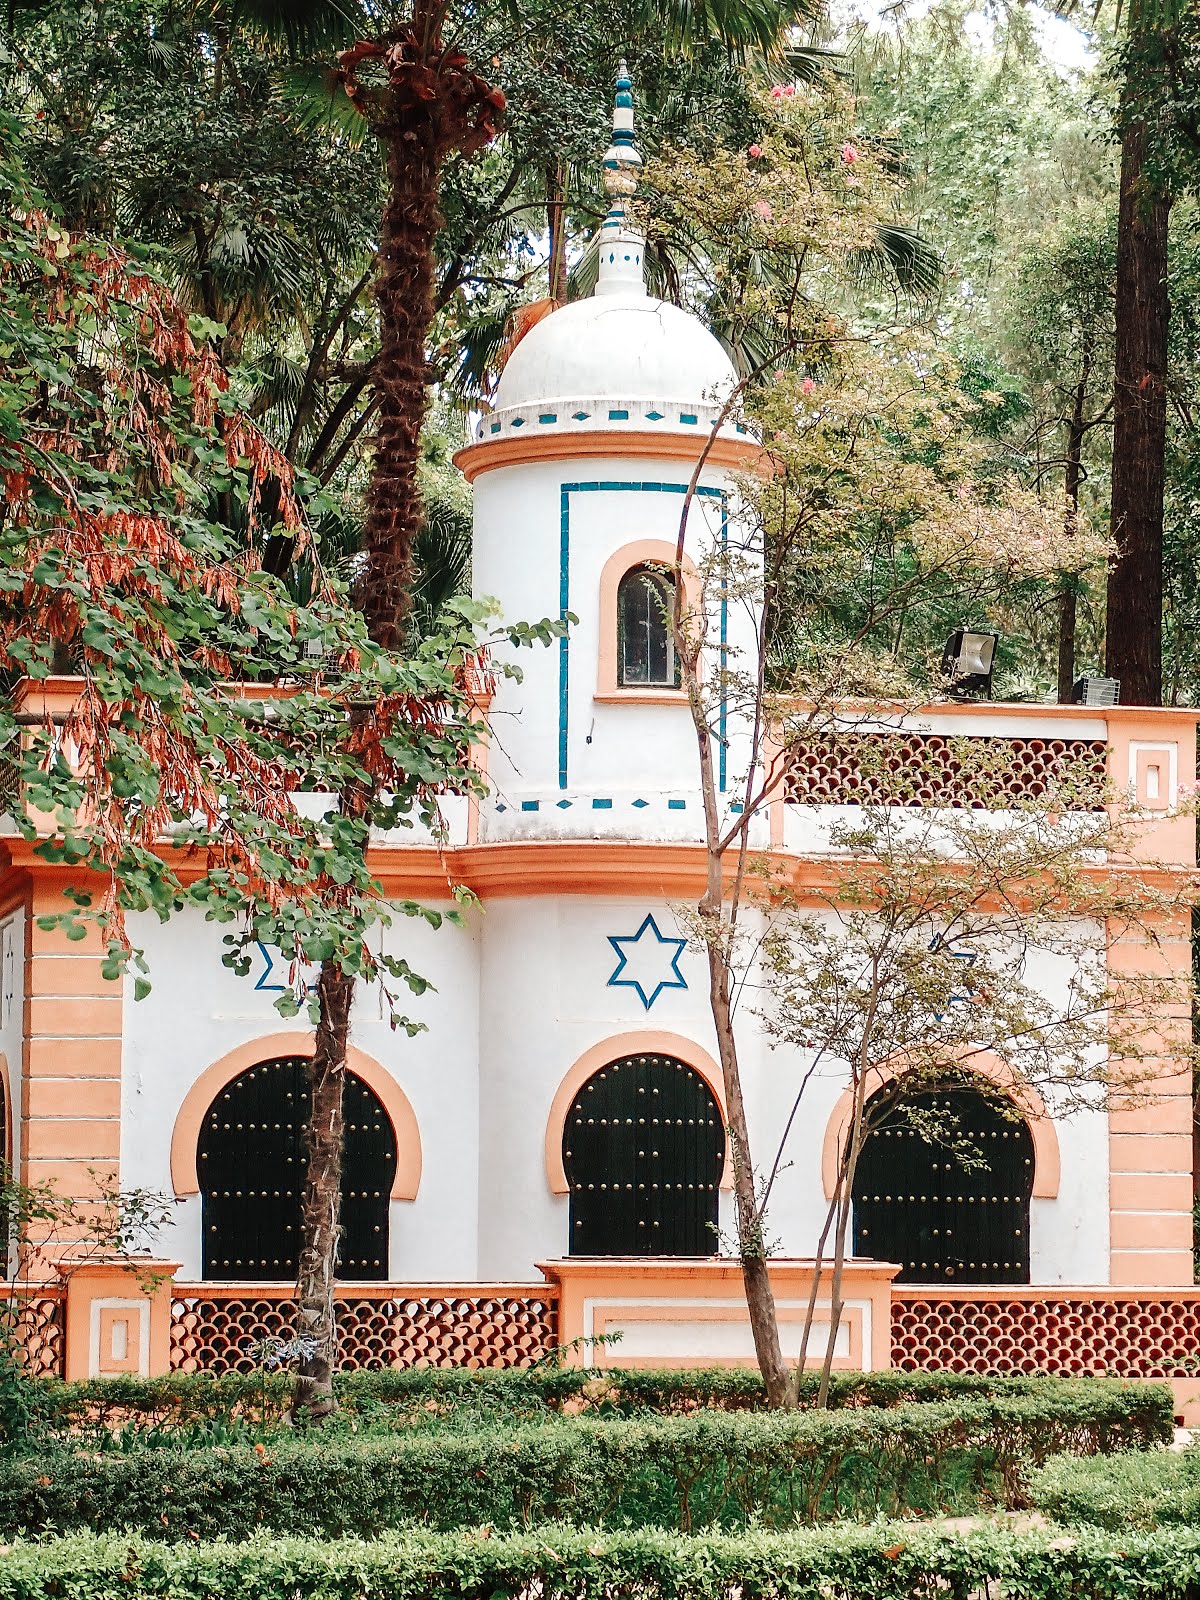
pixel 674 981
pixel 268 972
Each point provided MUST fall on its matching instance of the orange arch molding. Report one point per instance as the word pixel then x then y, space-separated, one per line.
pixel 185 1179
pixel 642 1041
pixel 1047 1165
pixel 636 554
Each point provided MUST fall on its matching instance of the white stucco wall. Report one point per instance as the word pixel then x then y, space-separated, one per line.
pixel 617 751
pixel 198 1011
pixel 521 995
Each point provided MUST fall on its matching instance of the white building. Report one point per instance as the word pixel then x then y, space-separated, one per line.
pixel 510 1132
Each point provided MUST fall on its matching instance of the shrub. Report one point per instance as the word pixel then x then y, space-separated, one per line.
pixel 1128 1490
pixel 431 1397
pixel 887 1561
pixel 709 1469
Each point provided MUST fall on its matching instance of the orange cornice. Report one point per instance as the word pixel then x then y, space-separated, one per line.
pixel 185 1178
pixel 573 866
pixel 512 452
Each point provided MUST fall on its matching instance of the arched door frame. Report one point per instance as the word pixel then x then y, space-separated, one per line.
pixel 1047 1164
pixel 185 1176
pixel 640 1042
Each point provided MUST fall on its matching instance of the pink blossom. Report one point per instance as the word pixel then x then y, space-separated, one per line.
pixel 789 89
pixel 755 151
pixel 762 209
pixel 808 386
pixel 776 93
pixel 849 154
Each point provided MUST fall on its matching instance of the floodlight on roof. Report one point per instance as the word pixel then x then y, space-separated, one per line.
pixel 967 661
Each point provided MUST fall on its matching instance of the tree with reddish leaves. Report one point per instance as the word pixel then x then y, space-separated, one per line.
pixel 166 785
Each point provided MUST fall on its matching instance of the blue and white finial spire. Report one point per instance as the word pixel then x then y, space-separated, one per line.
pixel 621 250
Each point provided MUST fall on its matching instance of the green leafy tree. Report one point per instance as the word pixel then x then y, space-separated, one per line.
pixel 166 784
pixel 1062 315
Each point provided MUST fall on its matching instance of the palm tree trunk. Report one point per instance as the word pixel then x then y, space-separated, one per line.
pixel 1135 585
pixel 431 104
pixel 404 293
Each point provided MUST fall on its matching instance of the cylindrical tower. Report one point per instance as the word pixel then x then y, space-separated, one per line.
pixel 580 476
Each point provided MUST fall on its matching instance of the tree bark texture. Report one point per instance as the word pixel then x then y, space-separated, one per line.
pixel 430 105
pixel 320 1212
pixel 556 221
pixel 1073 477
pixel 1133 648
pixel 425 105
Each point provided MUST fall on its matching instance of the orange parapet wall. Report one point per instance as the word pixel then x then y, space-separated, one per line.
pixel 676 1312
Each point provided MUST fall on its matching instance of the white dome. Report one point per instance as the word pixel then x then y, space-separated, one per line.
pixel 617 347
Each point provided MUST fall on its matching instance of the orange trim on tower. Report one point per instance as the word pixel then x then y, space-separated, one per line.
pixel 488 454
pixel 641 1041
pixel 185 1178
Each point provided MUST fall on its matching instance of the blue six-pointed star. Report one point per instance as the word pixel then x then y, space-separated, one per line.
pixel 644 963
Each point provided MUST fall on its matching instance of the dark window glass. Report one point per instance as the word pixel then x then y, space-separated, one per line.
pixel 643 1149
pixel 646 649
pixel 954 1209
pixel 252 1165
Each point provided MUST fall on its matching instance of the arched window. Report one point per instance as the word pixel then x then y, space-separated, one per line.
pixel 946 1192
pixel 645 645
pixel 643 1149
pixel 251 1164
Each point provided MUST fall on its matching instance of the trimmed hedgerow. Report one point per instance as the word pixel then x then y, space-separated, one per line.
pixel 1128 1490
pixel 711 1469
pixel 887 1561
pixel 441 1397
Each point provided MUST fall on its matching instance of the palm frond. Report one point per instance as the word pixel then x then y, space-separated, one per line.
pixel 304 26
pixel 809 63
pixel 442 561
pixel 317 99
pixel 901 256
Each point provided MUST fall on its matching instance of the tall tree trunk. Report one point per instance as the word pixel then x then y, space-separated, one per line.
pixel 760 1297
pixel 320 1212
pixel 404 293
pixel 430 105
pixel 1067 594
pixel 756 1277
pixel 1133 651
pixel 556 221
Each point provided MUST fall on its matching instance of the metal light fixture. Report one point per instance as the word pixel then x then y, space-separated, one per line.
pixel 1096 692
pixel 967 661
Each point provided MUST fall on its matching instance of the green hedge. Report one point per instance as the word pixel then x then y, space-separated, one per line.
pixel 436 1397
pixel 886 1561
pixel 1121 1491
pixel 711 1469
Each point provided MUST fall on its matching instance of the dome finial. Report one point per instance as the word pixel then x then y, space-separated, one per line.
pixel 621 250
